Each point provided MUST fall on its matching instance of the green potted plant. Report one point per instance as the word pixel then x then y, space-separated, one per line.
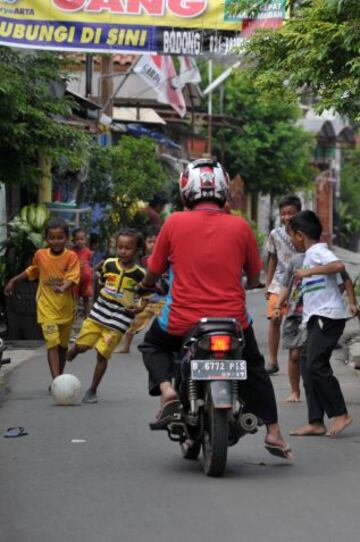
pixel 25 236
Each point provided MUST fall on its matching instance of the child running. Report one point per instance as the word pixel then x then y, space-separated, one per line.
pixel 293 333
pixel 155 303
pixel 281 250
pixel 58 270
pixel 114 310
pixel 324 314
pixel 85 289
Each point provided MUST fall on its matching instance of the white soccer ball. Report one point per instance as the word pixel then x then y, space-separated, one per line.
pixel 66 389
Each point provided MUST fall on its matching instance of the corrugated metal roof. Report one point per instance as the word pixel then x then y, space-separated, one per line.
pixel 137 114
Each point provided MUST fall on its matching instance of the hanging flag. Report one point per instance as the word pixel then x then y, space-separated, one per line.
pixel 189 72
pixel 159 72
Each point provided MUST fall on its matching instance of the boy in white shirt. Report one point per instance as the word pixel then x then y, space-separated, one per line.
pixel 325 315
pixel 280 251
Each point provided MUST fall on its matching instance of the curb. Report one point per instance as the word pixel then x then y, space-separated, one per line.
pixel 18 356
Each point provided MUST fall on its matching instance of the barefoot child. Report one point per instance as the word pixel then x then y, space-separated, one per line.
pixel 324 314
pixel 155 302
pixel 293 333
pixel 281 250
pixel 114 310
pixel 58 270
pixel 85 288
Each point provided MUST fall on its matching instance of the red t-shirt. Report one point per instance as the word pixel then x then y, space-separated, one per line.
pixel 84 255
pixel 206 251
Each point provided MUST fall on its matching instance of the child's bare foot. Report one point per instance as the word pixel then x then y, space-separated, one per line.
pixel 339 424
pixel 122 351
pixel 294 397
pixel 309 430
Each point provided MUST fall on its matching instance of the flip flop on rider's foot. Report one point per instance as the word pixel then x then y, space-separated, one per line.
pixel 168 409
pixel 168 413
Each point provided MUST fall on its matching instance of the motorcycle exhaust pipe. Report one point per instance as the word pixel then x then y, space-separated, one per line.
pixel 248 422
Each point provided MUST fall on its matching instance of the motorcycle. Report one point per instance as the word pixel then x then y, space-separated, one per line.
pixel 213 415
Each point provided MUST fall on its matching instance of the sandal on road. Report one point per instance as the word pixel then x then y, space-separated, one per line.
pixel 169 412
pixel 14 432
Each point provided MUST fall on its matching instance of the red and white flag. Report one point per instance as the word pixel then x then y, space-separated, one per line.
pixel 159 72
pixel 189 72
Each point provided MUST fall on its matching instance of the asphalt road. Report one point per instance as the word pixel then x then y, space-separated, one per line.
pixel 127 484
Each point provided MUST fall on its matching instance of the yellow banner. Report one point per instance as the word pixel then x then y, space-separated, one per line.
pixel 162 26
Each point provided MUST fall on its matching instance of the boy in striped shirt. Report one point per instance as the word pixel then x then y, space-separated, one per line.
pixel 114 310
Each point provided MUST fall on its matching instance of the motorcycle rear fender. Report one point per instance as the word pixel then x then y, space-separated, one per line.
pixel 221 393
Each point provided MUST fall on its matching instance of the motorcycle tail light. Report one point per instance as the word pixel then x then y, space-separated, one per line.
pixel 220 343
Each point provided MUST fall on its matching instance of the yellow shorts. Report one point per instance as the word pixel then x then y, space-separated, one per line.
pixel 272 303
pixel 56 334
pixel 100 337
pixel 143 318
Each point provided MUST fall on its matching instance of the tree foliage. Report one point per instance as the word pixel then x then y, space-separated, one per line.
pixel 315 52
pixel 120 176
pixel 271 153
pixel 31 113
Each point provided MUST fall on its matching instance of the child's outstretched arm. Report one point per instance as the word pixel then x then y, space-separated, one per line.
pixel 328 269
pixel 271 267
pixel 9 287
pixel 149 280
pixel 283 295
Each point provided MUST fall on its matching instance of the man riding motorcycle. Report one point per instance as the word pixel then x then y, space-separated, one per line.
pixel 206 251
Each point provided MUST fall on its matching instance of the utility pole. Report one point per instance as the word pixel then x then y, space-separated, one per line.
pixel 88 74
pixel 107 67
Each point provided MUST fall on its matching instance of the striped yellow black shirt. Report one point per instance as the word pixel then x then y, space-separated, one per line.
pixel 116 295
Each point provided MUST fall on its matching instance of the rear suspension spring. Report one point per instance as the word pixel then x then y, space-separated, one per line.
pixel 192 394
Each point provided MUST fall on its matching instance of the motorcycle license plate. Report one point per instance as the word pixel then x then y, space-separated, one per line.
pixel 210 369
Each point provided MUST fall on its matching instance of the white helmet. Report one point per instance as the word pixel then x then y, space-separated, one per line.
pixel 204 179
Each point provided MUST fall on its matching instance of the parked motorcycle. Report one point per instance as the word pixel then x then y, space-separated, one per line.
pixel 213 415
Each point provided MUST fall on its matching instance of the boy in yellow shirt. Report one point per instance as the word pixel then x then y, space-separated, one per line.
pixel 114 310
pixel 58 270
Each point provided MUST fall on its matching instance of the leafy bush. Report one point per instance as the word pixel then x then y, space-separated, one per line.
pixel 120 177
pixel 32 109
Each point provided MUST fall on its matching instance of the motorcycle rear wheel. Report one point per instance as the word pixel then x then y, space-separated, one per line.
pixel 215 440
